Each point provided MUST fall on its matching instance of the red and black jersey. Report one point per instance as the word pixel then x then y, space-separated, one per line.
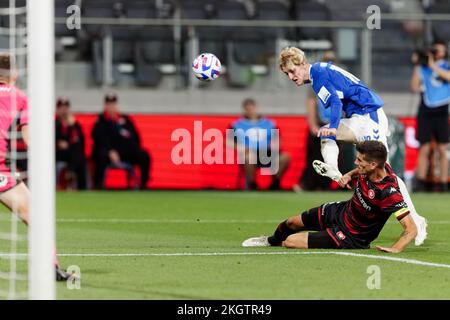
pixel 371 206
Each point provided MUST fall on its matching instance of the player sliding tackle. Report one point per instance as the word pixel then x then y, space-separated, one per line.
pixel 14 194
pixel 365 119
pixel 355 223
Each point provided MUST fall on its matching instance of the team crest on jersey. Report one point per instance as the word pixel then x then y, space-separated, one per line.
pixel 340 235
pixel 3 180
pixel 371 194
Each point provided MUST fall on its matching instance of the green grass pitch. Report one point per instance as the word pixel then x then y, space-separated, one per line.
pixel 129 245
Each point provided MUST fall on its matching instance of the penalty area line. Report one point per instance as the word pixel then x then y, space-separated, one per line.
pixel 292 253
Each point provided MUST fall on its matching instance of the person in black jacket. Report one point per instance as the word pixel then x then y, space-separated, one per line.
pixel 70 143
pixel 116 142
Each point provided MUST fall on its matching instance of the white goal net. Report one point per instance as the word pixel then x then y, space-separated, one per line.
pixel 26 264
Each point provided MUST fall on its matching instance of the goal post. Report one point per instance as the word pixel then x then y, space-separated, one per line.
pixel 40 58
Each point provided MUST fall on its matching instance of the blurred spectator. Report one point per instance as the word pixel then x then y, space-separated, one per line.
pixel 251 120
pixel 318 116
pixel 431 78
pixel 69 138
pixel 117 144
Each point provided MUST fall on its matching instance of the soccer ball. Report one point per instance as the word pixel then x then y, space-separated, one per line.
pixel 206 67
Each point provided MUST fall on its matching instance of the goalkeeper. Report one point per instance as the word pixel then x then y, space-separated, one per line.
pixel 14 117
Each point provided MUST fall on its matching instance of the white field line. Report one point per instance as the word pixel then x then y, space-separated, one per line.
pixel 286 253
pixel 164 221
pixel 200 254
pixel 231 221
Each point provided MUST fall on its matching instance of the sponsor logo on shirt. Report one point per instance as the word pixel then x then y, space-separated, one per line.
pixel 340 235
pixel 324 94
pixel 361 200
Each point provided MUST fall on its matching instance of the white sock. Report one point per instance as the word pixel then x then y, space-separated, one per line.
pixel 409 203
pixel 330 152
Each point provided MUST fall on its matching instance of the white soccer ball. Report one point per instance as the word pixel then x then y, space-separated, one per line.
pixel 206 67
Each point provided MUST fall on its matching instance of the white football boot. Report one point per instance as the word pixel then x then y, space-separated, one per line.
pixel 256 242
pixel 326 170
pixel 422 225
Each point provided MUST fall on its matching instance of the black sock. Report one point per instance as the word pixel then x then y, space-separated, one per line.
pixel 280 234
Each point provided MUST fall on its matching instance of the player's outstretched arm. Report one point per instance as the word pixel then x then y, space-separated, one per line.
pixel 408 235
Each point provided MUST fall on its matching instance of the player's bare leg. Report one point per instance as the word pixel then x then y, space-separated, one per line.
pixel 17 199
pixel 296 241
pixel 250 169
pixel 286 228
pixel 443 166
pixel 285 160
pixel 330 152
pixel 422 166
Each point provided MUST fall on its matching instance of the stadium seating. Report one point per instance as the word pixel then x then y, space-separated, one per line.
pixel 150 51
pixel 274 10
pixel 312 10
pixel 65 37
pixel 210 38
pixel 441 29
pixel 352 9
pixel 61 6
pixel 112 9
pixel 155 45
pixel 257 45
pixel 143 47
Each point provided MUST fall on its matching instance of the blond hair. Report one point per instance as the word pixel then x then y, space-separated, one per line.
pixel 290 57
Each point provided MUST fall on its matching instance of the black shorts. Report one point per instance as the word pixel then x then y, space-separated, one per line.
pixel 330 234
pixel 432 126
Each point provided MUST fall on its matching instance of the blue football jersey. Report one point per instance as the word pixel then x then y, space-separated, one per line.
pixel 256 134
pixel 340 91
pixel 436 90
